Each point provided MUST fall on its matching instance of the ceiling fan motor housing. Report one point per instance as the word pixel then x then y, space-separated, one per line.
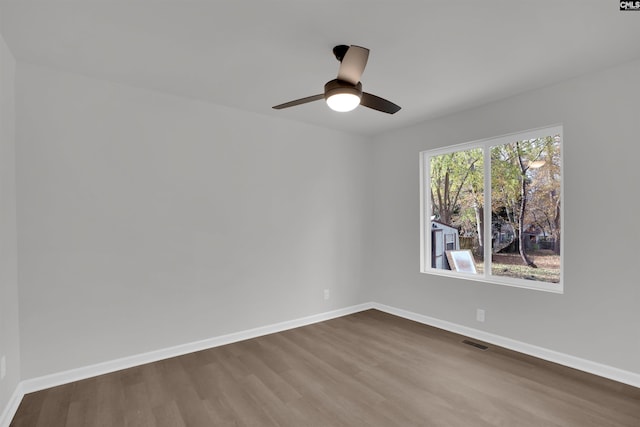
pixel 336 86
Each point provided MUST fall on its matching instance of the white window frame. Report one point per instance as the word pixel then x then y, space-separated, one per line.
pixel 426 209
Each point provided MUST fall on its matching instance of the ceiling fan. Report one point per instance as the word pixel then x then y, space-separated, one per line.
pixel 345 93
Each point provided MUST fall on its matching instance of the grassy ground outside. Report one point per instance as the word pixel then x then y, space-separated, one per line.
pixel 512 265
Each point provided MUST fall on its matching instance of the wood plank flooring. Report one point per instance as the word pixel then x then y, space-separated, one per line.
pixel 366 369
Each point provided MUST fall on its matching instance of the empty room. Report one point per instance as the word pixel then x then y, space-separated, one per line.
pixel 319 213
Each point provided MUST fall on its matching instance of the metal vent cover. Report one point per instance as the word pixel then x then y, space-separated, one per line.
pixel 475 344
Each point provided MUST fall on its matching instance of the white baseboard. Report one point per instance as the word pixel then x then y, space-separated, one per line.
pixel 12 406
pixel 40 383
pixel 595 368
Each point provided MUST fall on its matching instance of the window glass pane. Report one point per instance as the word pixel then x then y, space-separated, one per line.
pixel 525 209
pixel 457 199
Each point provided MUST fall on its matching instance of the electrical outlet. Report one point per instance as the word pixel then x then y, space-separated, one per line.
pixel 327 294
pixel 3 367
pixel 480 315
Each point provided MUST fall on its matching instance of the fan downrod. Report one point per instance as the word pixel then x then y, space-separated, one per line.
pixel 340 51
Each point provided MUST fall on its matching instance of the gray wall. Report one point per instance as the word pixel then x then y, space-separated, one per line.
pixel 597 318
pixel 9 332
pixel 148 220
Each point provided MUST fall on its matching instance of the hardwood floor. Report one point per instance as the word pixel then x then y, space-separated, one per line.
pixel 366 369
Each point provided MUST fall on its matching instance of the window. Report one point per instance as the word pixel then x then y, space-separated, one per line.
pixel 496 204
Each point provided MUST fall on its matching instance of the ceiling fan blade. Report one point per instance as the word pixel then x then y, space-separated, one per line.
pixel 353 63
pixel 378 103
pixel 299 101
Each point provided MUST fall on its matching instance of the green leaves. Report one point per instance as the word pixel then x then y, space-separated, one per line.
pixel 456 182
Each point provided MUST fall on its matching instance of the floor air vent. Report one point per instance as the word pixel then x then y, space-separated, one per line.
pixel 475 344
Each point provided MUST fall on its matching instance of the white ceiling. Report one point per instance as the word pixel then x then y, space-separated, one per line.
pixel 430 57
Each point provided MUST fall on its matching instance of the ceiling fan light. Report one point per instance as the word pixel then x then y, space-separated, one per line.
pixel 343 102
pixel 342 96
